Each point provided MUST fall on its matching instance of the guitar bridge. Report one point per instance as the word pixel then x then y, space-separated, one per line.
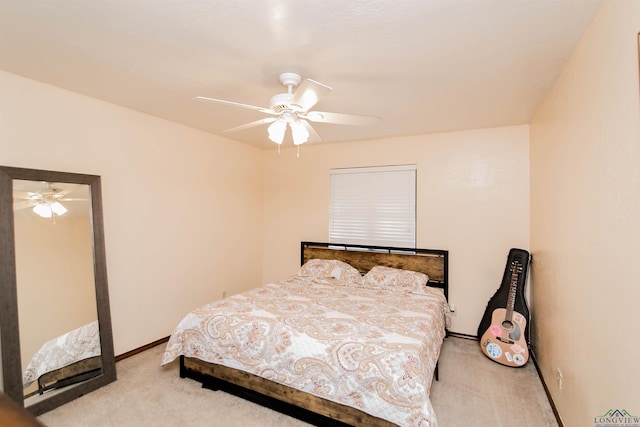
pixel 506 341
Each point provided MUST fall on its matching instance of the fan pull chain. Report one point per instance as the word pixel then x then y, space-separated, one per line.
pixel 298 153
pixel 278 149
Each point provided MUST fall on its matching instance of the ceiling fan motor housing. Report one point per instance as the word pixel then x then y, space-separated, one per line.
pixel 280 102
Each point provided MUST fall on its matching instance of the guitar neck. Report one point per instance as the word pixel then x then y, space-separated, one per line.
pixel 511 301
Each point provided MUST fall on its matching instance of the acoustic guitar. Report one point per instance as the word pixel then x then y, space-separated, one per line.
pixel 505 340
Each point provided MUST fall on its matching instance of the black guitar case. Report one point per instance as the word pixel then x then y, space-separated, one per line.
pixel 499 299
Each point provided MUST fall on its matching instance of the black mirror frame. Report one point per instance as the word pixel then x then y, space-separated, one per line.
pixel 9 328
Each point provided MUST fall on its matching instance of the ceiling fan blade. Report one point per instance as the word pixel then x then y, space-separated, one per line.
pixel 341 119
pixel 313 135
pixel 64 192
pixel 22 194
pixel 252 124
pixel 237 104
pixel 308 94
pixel 24 204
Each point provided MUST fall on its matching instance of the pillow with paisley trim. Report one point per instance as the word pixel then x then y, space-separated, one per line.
pixel 324 268
pixel 396 279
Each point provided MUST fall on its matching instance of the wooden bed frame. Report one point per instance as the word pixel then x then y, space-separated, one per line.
pixel 71 374
pixel 295 403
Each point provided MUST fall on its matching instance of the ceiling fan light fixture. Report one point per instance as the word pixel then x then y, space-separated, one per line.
pixel 299 132
pixel 58 209
pixel 43 210
pixel 276 131
pixel 47 209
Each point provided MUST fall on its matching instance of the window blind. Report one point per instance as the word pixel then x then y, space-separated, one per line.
pixel 373 206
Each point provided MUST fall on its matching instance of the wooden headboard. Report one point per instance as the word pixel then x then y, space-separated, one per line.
pixel 432 262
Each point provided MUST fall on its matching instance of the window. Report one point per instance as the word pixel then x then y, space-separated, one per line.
pixel 373 206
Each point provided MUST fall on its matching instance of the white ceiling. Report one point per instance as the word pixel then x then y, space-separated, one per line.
pixel 422 66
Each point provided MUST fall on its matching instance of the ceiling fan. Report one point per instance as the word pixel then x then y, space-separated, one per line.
pixel 293 109
pixel 44 201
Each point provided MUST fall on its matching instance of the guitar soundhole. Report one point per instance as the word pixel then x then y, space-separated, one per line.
pixel 507 324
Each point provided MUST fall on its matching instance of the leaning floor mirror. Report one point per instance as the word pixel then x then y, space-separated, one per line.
pixel 55 321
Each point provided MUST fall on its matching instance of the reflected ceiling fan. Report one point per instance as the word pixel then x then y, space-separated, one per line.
pixel 293 109
pixel 44 201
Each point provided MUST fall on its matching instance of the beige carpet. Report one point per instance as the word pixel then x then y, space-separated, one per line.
pixel 472 391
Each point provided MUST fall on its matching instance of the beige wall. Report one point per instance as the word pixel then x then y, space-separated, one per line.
pixel 473 199
pixel 585 237
pixel 180 205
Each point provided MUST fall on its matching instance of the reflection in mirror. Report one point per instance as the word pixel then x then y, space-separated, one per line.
pixel 55 320
pixel 54 269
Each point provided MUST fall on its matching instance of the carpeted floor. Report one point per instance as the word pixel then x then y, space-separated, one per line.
pixel 472 391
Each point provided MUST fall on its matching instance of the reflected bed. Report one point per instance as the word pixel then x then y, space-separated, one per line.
pixel 67 359
pixel 328 345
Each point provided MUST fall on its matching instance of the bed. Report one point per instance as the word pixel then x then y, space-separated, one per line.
pixel 68 359
pixel 353 338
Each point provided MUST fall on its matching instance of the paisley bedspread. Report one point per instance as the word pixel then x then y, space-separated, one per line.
pixel 372 349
